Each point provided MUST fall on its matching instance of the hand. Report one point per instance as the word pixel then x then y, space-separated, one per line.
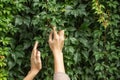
pixel 56 40
pixel 36 64
pixel 56 43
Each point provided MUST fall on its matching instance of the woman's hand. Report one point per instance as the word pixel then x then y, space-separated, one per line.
pixel 56 40
pixel 56 43
pixel 36 64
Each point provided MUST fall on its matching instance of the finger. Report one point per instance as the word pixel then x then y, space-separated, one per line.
pixel 38 56
pixel 50 36
pixel 54 28
pixel 34 51
pixel 39 62
pixel 61 33
pixel 55 33
pixel 35 45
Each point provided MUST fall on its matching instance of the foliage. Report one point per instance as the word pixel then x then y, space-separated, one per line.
pixel 104 13
pixel 7 31
pixel 6 28
pixel 91 51
pixel 103 17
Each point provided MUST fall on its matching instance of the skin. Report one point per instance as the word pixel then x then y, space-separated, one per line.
pixel 36 64
pixel 56 43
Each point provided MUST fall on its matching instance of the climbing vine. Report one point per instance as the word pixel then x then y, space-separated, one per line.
pixel 92 31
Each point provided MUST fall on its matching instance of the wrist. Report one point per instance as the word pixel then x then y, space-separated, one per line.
pixel 59 63
pixel 58 56
pixel 30 75
pixel 57 51
pixel 33 72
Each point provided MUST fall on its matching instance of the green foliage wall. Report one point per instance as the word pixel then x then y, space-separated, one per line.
pixel 92 30
pixel 6 31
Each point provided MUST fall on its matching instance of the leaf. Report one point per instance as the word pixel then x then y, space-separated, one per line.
pixel 18 20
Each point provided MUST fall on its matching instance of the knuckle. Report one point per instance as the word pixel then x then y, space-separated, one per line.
pixel 49 41
pixel 39 62
pixel 57 38
pixel 62 39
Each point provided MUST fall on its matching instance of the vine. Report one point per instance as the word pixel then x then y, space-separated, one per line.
pixel 103 17
pixel 6 31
